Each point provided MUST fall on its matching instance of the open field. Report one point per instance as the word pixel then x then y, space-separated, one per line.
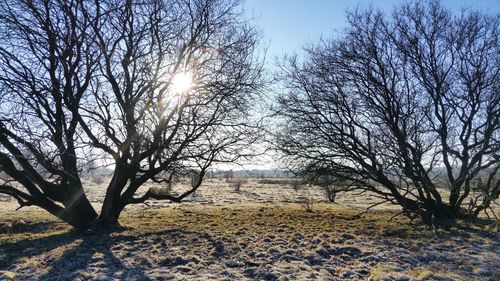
pixel 260 233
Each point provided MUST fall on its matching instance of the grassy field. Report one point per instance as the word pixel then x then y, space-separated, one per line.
pixel 244 235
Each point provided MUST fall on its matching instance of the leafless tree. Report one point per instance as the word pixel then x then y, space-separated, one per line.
pixel 330 184
pixel 397 101
pixel 114 77
pixel 237 183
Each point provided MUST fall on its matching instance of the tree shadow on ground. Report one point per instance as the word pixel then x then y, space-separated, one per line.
pixel 95 249
pixel 116 255
pixel 29 247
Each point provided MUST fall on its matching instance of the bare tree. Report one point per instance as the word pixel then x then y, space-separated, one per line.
pixel 330 184
pixel 237 183
pixel 397 101
pixel 159 88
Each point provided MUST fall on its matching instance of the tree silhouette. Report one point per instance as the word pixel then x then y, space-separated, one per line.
pixel 406 106
pixel 113 78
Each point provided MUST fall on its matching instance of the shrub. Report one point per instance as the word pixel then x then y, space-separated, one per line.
pixel 237 183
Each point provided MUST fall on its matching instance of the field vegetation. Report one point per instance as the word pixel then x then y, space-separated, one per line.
pixel 261 232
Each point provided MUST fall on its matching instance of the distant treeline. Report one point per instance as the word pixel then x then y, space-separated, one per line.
pixel 214 173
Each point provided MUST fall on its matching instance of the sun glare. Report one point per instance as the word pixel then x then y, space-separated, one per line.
pixel 182 82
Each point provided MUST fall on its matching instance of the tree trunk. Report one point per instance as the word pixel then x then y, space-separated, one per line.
pixel 77 210
pixel 113 204
pixel 79 213
pixel 431 210
pixel 110 213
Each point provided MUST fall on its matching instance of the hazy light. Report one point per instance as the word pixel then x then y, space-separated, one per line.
pixel 182 82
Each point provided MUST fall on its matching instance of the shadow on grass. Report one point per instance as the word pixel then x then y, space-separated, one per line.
pixel 76 254
pixel 92 249
pixel 11 252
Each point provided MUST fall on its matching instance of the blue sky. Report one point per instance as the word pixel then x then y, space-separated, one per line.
pixel 289 24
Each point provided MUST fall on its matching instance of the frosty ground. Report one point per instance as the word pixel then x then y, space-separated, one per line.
pixel 262 232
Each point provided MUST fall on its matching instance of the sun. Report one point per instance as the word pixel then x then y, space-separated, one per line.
pixel 182 82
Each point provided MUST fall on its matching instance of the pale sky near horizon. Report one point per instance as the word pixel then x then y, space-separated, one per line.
pixel 288 25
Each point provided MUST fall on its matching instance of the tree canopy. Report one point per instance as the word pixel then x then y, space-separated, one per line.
pixel 404 105
pixel 150 88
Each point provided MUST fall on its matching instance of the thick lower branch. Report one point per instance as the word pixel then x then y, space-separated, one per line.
pixel 177 199
pixel 22 198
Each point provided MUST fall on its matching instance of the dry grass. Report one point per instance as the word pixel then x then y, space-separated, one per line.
pixel 231 240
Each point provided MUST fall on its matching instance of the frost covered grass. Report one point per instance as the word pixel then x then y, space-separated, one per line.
pixel 232 240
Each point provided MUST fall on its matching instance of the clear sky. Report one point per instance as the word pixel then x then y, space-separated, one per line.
pixel 289 24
